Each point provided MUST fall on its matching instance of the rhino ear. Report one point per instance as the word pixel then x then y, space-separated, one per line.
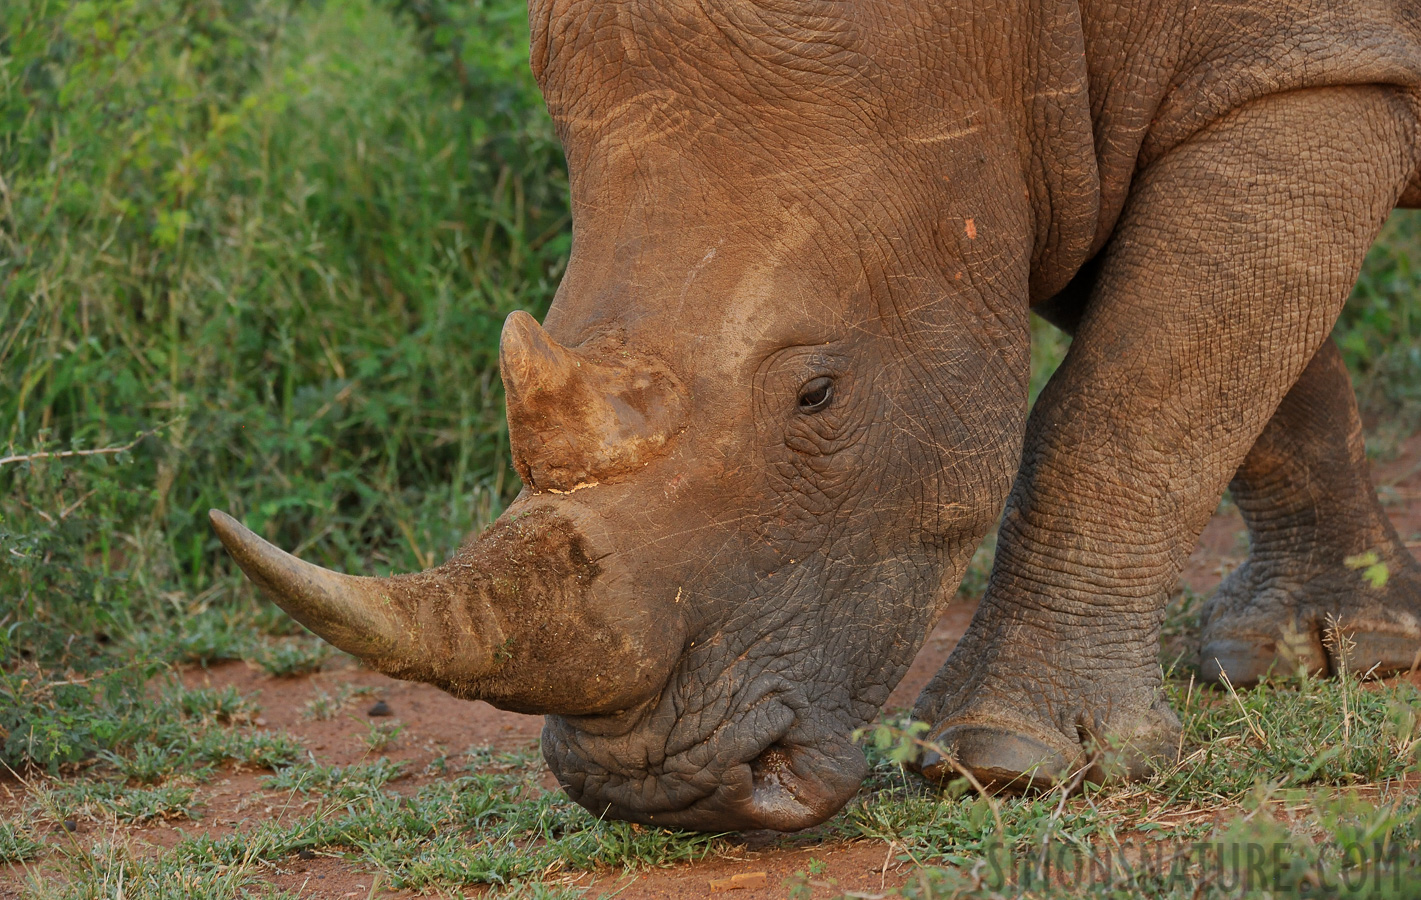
pixel 577 419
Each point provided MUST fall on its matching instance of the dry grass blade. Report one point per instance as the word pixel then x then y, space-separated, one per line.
pixel 1247 718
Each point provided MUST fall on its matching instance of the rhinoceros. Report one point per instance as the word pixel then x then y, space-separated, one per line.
pixel 781 393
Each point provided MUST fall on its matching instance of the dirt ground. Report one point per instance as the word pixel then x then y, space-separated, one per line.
pixel 436 724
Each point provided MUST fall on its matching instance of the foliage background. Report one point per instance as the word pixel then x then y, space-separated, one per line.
pixel 276 240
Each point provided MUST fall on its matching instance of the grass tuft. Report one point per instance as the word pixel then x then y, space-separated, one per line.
pixel 17 844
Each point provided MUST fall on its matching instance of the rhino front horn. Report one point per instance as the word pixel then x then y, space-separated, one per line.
pixel 509 619
pixel 381 620
pixel 579 417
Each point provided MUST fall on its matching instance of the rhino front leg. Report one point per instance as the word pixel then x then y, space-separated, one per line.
pixel 1305 491
pixel 1229 265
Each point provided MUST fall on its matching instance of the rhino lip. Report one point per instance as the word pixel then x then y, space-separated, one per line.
pixel 785 791
pixel 791 786
pixel 781 798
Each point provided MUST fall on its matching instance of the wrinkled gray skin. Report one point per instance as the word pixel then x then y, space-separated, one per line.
pixel 719 569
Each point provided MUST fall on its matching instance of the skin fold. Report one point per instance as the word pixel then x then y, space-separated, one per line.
pixel 782 391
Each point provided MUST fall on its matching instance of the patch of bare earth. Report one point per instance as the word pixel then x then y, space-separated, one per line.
pixel 434 724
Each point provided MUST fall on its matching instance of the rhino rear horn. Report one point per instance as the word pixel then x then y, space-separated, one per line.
pixel 577 418
pixel 530 361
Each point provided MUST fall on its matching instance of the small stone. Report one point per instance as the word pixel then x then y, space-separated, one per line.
pixel 305 853
pixel 70 825
pixel 741 882
pixel 381 708
pixel 259 721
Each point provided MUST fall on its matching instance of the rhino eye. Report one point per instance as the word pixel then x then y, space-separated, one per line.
pixel 816 395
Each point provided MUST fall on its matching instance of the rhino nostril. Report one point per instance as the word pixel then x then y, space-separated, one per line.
pixel 774 760
pixel 774 769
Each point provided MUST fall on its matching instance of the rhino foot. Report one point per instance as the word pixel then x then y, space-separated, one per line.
pixel 1324 551
pixel 1270 617
pixel 1020 715
pixel 1014 755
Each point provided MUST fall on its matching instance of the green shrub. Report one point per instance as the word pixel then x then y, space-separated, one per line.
pixel 275 243
pixel 282 237
pixel 1380 330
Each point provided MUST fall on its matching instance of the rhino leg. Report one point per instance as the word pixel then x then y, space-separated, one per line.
pixel 1232 258
pixel 1306 493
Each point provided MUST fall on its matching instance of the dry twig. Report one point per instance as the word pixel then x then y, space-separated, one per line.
pixel 68 454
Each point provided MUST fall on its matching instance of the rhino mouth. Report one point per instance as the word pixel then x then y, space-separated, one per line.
pixel 774 765
pixel 796 787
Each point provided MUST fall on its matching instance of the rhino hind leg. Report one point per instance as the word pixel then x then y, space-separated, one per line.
pixel 1328 585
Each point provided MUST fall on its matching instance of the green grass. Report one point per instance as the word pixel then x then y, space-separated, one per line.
pixel 294 656
pixel 117 801
pixel 267 247
pixel 325 705
pixel 493 824
pixel 1251 764
pixel 1313 767
pixel 16 843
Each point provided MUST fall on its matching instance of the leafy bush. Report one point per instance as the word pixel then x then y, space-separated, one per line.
pixel 282 238
pixel 1380 330
pixel 275 242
